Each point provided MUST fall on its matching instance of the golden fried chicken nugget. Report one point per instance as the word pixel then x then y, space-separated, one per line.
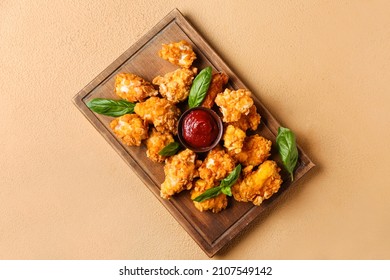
pixel 179 170
pixel 250 121
pixel 218 81
pixel 233 138
pixel 258 185
pixel 255 150
pixel 162 113
pixel 133 88
pixel 215 204
pixel 130 128
pixel 175 86
pixel 217 165
pixel 234 104
pixel 178 53
pixel 155 143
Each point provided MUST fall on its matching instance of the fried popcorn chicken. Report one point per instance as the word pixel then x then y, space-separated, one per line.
pixel 155 143
pixel 234 104
pixel 215 204
pixel 179 170
pixel 180 53
pixel 255 150
pixel 130 128
pixel 258 185
pixel 250 121
pixel 233 139
pixel 159 111
pixel 133 88
pixel 175 86
pixel 218 81
pixel 217 165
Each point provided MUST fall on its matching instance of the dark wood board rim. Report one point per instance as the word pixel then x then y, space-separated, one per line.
pixel 209 248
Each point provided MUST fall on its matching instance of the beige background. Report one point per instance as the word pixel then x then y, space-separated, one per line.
pixel 321 67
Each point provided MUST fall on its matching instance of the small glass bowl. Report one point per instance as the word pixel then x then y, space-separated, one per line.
pixel 217 119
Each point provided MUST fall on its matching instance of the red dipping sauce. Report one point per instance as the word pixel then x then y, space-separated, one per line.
pixel 199 128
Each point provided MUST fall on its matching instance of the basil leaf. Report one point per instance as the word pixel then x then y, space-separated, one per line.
pixel 170 149
pixel 110 107
pixel 229 181
pixel 224 187
pixel 288 151
pixel 227 190
pixel 199 87
pixel 210 193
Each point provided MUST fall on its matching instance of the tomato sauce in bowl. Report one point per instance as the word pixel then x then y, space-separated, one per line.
pixel 200 129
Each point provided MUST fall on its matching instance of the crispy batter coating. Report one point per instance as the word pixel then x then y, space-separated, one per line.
pixel 234 104
pixel 155 143
pixel 250 121
pixel 217 165
pixel 255 150
pixel 130 128
pixel 179 170
pixel 258 185
pixel 218 81
pixel 133 88
pixel 175 86
pixel 215 204
pixel 233 139
pixel 179 53
pixel 159 111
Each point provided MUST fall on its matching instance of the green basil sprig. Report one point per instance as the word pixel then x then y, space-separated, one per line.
pixel 110 107
pixel 199 87
pixel 287 147
pixel 224 187
pixel 170 149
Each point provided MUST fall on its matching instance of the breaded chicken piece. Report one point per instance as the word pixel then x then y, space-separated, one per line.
pixel 234 104
pixel 255 150
pixel 155 143
pixel 250 121
pixel 179 170
pixel 215 204
pixel 258 185
pixel 180 53
pixel 175 86
pixel 218 81
pixel 130 128
pixel 233 138
pixel 217 165
pixel 162 113
pixel 133 88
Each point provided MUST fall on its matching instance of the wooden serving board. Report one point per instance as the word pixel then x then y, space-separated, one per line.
pixel 211 231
